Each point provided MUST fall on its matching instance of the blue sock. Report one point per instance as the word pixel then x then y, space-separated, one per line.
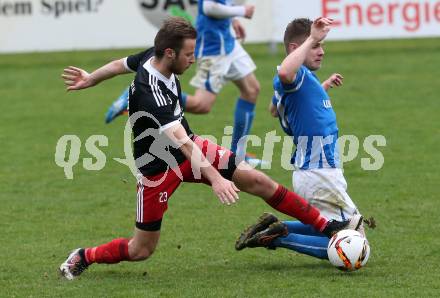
pixel 243 117
pixel 303 239
pixel 315 246
pixel 183 100
pixel 298 227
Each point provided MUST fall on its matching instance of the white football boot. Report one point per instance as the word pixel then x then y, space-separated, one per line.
pixel 74 265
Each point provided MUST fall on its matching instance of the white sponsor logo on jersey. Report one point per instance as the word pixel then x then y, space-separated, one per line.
pixel 327 104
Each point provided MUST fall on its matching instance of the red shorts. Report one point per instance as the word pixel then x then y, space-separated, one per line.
pixel 153 192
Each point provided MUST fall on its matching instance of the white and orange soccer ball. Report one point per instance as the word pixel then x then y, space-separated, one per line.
pixel 348 250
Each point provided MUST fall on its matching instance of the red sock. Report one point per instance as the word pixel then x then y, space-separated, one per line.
pixel 293 205
pixel 109 253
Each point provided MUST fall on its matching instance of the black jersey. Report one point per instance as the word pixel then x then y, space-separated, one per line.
pixel 154 106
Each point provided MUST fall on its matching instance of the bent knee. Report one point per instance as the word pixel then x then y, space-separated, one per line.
pixel 251 92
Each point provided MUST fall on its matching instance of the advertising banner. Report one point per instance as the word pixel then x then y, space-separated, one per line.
pixel 54 25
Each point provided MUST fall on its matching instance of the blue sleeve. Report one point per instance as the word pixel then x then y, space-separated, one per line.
pixel 277 91
pixel 276 87
pixel 296 84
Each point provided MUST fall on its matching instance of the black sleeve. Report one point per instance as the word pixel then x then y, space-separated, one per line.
pixel 133 61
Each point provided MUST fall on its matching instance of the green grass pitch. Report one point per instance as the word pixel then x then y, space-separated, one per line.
pixel 390 88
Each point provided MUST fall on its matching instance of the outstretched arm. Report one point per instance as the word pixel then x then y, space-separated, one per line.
pixel 334 80
pixel 291 64
pixel 221 11
pixel 76 78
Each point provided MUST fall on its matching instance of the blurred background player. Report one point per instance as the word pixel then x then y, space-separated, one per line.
pixel 305 112
pixel 220 58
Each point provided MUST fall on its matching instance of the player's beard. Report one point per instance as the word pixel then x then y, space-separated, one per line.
pixel 175 68
pixel 177 71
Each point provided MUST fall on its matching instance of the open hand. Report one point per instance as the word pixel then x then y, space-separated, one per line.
pixel 76 78
pixel 226 191
pixel 320 28
pixel 335 79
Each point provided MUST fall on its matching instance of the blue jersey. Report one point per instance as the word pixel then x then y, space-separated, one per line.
pixel 305 113
pixel 213 35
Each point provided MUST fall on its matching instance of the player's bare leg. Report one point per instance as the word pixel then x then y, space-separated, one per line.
pixel 249 88
pixel 254 182
pixel 143 244
pixel 138 248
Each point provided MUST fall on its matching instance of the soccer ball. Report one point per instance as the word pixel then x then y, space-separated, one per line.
pixel 348 250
